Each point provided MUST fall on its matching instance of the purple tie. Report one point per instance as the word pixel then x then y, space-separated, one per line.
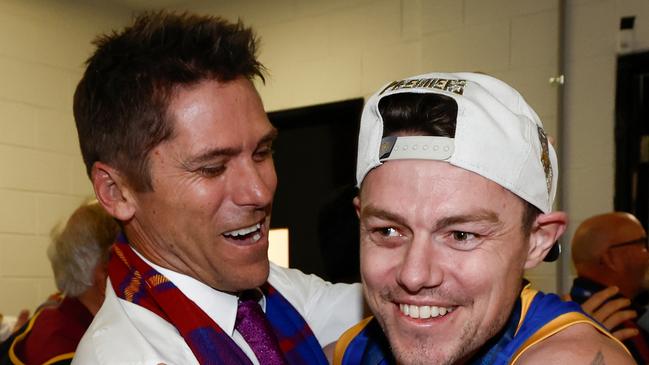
pixel 256 330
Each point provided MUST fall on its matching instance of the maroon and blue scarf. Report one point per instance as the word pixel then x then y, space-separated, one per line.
pixel 135 281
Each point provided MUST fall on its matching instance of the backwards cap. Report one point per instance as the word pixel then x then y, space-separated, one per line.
pixel 498 136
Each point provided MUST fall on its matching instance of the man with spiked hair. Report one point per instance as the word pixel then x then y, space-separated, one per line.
pixel 179 150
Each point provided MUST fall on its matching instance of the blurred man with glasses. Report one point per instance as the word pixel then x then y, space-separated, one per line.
pixel 611 254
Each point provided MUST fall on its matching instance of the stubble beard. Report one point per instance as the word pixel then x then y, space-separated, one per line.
pixel 425 353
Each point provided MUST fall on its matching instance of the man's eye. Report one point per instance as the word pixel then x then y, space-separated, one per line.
pixel 462 236
pixel 211 171
pixel 263 153
pixel 389 232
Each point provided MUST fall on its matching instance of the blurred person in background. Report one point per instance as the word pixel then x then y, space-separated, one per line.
pixel 10 324
pixel 78 253
pixel 610 254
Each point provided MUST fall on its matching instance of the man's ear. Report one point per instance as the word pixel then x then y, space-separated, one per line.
pixel 546 230
pixel 112 191
pixel 357 205
pixel 613 263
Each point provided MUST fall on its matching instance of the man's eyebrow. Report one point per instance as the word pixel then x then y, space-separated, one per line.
pixel 213 153
pixel 479 216
pixel 373 211
pixel 482 215
pixel 269 137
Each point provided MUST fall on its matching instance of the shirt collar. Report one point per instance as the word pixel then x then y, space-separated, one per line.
pixel 220 306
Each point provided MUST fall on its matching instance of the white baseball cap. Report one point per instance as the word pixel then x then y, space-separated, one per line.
pixel 498 135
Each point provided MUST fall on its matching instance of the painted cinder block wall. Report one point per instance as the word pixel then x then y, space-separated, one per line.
pixel 317 51
pixel 324 51
pixel 591 58
pixel 43 45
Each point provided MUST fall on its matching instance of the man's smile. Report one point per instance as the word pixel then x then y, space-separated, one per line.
pixel 247 235
pixel 424 311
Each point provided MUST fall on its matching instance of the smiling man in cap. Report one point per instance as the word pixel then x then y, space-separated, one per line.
pixel 457 182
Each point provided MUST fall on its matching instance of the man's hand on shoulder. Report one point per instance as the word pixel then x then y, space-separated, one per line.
pixel 577 344
pixel 611 312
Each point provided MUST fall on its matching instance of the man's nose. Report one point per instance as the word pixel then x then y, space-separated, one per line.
pixel 420 268
pixel 255 184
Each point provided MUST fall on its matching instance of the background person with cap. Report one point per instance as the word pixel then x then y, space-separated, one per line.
pixel 610 250
pixel 457 182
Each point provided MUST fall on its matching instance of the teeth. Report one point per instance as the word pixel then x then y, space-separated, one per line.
pixel 245 231
pixel 414 311
pixel 424 311
pixel 436 311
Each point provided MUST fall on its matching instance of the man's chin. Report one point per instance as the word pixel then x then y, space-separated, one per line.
pixel 431 346
pixel 410 348
pixel 421 353
pixel 251 277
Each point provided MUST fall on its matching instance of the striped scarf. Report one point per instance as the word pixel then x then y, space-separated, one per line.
pixel 135 281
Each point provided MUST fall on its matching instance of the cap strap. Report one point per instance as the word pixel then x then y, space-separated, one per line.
pixel 416 147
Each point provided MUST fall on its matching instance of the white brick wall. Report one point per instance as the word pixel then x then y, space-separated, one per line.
pixel 43 45
pixel 511 39
pixel 321 51
pixel 590 102
pixel 317 51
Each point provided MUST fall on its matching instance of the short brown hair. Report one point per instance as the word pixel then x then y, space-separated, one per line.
pixel 120 104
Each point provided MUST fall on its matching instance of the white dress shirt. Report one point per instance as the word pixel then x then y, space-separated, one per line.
pixel 125 333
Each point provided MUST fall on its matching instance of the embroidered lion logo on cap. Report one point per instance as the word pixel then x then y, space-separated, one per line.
pixel 545 158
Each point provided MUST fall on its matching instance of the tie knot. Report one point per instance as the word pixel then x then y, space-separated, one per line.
pixel 250 295
pixel 249 307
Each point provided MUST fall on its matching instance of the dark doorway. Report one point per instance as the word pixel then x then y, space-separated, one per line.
pixel 632 136
pixel 315 159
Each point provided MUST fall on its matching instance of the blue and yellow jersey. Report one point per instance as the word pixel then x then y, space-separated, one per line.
pixel 536 316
